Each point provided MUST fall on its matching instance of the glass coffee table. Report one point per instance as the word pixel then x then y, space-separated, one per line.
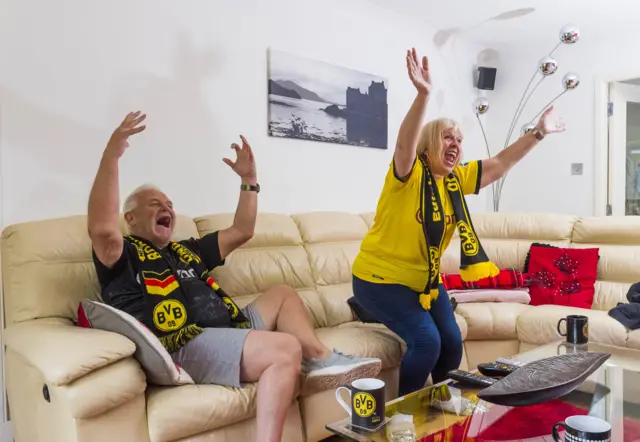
pixel 450 412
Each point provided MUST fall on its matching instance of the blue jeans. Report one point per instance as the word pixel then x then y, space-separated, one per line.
pixel 434 342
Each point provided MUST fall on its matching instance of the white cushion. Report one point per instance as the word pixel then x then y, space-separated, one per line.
pixel 152 356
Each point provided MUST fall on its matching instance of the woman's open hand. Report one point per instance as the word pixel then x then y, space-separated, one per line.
pixel 419 72
pixel 549 123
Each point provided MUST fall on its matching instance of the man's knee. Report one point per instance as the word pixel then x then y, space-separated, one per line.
pixel 282 291
pixel 285 350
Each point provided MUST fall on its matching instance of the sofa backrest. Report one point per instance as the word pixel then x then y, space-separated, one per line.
pixel 618 239
pixel 506 238
pixel 47 266
pixel 275 255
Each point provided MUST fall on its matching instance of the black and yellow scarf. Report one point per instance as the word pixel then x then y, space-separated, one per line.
pixel 167 303
pixel 474 263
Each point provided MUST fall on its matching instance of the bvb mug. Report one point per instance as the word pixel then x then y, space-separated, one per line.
pixel 367 402
pixel 577 329
pixel 583 429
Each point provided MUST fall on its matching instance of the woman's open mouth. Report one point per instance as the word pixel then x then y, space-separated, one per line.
pixel 450 158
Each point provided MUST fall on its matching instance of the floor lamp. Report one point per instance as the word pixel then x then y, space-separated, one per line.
pixel 547 66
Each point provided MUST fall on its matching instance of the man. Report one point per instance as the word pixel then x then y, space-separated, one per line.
pixel 165 285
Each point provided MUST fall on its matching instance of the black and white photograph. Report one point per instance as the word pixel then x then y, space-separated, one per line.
pixel 314 100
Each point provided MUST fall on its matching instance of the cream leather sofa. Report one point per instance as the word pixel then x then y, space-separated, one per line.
pixel 69 384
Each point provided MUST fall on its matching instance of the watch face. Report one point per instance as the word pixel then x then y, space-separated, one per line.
pixel 538 134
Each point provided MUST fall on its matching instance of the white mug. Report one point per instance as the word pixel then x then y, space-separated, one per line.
pixel 583 429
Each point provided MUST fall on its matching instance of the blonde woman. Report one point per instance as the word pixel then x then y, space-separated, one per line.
pixel 396 276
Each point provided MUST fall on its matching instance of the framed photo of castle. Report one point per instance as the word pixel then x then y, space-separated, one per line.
pixel 314 100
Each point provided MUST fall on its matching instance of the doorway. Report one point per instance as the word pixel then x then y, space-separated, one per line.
pixel 623 175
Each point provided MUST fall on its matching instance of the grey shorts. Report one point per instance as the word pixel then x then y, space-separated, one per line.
pixel 213 357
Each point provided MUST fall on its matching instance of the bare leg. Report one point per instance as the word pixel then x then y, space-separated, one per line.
pixel 282 309
pixel 274 360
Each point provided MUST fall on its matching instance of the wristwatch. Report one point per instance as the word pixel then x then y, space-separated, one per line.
pixel 250 187
pixel 536 133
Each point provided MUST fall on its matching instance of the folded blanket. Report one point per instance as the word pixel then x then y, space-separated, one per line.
pixel 506 279
pixel 518 296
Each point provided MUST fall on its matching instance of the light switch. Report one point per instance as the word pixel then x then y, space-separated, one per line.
pixel 576 168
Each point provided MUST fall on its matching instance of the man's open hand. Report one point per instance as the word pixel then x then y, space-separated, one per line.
pixel 119 139
pixel 245 165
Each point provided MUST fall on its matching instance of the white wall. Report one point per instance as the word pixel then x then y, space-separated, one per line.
pixel 543 181
pixel 71 69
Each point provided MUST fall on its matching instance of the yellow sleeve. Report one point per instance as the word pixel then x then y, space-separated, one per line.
pixel 392 182
pixel 470 175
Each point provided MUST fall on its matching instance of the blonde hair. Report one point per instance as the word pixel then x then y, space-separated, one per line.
pixel 431 143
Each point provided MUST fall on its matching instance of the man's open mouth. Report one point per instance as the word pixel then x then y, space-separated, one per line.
pixel 164 221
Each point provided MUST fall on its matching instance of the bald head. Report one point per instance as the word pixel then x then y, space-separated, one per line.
pixel 149 214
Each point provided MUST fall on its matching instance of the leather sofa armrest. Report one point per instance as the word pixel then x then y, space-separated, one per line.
pixel 63 352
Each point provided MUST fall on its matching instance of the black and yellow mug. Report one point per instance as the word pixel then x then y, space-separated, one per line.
pixel 367 402
pixel 577 330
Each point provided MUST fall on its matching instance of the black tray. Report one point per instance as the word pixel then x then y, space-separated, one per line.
pixel 543 380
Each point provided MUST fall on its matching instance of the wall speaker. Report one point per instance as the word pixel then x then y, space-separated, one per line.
pixel 486 78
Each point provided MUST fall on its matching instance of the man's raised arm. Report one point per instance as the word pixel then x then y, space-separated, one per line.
pixel 244 221
pixel 104 199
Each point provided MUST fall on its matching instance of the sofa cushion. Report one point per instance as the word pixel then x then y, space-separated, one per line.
pixel 562 276
pixel 539 325
pixel 178 412
pixel 633 339
pixel 364 340
pixel 275 255
pixel 334 299
pixel 462 324
pixel 63 352
pixel 491 320
pixel 618 238
pixel 152 356
pixel 609 294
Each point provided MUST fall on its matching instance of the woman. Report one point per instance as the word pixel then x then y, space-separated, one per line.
pixel 396 275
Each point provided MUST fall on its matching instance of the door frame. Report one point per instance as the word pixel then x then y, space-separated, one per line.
pixel 601 155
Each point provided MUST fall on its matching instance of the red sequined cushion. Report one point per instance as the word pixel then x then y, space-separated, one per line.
pixel 562 276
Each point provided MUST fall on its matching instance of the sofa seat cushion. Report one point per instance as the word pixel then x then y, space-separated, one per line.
pixel 179 412
pixel 539 325
pixel 462 324
pixel 491 320
pixel 633 340
pixel 364 340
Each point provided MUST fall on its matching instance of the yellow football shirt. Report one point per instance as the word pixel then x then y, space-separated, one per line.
pixel 394 251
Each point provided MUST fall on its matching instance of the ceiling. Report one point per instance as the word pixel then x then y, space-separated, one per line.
pixel 597 19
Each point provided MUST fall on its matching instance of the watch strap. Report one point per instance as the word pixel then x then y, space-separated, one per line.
pixel 250 187
pixel 539 135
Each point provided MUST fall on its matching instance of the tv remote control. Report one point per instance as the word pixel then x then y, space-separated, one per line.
pixel 466 377
pixel 496 369
pixel 511 362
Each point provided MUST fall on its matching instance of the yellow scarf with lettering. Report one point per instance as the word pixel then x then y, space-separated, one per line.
pixel 474 263
pixel 172 311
